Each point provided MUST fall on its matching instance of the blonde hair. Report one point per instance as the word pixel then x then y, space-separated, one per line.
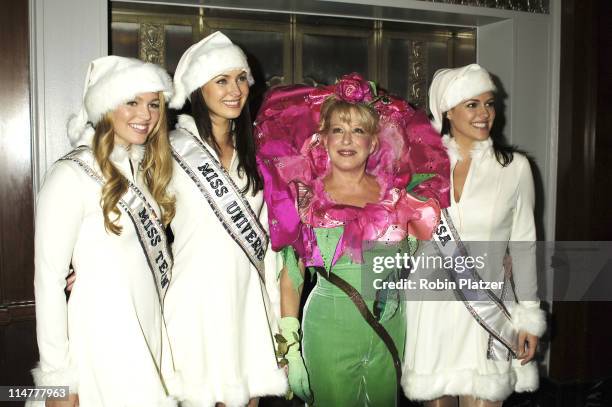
pixel 156 165
pixel 365 115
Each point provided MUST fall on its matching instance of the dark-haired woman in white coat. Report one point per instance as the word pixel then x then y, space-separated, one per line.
pixel 492 200
pixel 219 309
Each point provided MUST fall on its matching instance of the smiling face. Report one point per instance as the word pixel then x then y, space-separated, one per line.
pixel 134 120
pixel 226 94
pixel 472 119
pixel 348 140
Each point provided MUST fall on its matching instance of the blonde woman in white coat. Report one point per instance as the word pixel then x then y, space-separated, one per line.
pixel 492 199
pixel 220 312
pixel 107 343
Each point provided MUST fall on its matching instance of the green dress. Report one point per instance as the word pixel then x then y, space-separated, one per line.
pixel 347 363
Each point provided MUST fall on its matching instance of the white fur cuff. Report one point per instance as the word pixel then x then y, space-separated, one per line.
pixel 237 394
pixel 527 376
pixel 273 384
pixel 530 319
pixel 59 377
pixel 456 382
pixel 175 385
pixel 168 402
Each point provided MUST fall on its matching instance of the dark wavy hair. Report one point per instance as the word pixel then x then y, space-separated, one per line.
pixel 245 144
pixel 503 152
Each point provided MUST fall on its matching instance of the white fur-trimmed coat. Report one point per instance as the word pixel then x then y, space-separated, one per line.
pixel 446 349
pixel 220 319
pixel 105 342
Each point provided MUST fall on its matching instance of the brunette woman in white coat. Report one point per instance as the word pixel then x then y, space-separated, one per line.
pixel 219 312
pixel 99 208
pixel 492 197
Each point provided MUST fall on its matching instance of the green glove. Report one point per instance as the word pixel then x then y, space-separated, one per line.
pixel 289 349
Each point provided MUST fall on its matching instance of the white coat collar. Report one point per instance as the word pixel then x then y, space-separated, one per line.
pixel 135 153
pixel 479 149
pixel 120 153
pixel 187 122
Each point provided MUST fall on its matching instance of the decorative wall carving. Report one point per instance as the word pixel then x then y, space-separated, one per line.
pixel 152 43
pixel 417 75
pixel 532 6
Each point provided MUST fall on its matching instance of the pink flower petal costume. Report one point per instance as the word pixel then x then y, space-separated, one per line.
pixel 293 162
pixel 323 233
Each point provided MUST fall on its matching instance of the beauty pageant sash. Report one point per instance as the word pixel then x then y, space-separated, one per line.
pixel 222 194
pixel 149 229
pixel 486 308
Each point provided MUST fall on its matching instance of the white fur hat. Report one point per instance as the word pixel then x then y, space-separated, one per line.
pixel 452 86
pixel 203 61
pixel 111 81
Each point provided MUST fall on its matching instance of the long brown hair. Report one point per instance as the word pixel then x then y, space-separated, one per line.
pixel 156 165
pixel 244 141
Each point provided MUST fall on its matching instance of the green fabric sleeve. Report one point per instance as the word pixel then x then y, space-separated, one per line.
pixel 418 179
pixel 290 261
pixel 412 244
pixel 415 181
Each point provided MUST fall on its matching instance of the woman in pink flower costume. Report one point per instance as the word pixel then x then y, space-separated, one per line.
pixel 336 163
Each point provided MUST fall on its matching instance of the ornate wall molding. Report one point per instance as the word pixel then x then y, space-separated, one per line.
pixel 417 75
pixel 531 6
pixel 152 43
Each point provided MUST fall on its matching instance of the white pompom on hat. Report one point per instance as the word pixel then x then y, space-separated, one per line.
pixel 452 86
pixel 203 61
pixel 111 81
